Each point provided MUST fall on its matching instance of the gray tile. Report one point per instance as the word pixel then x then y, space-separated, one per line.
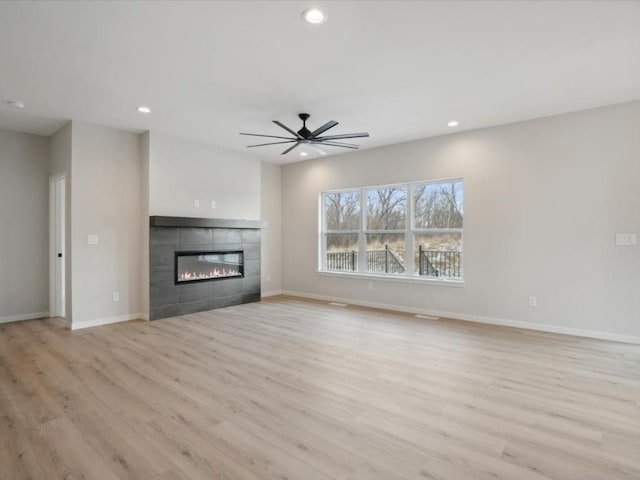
pixel 195 247
pixel 194 236
pixel 250 236
pixel 225 288
pixel 226 236
pixel 193 307
pixel 163 294
pixel 226 301
pixel 251 297
pixel 161 255
pixel 251 285
pixel 163 236
pixel 251 267
pixel 191 292
pixel 164 311
pixel 158 278
pixel 252 252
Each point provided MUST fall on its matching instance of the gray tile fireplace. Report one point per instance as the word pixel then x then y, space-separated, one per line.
pixel 199 264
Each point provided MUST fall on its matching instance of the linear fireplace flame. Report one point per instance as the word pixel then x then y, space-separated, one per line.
pixel 203 266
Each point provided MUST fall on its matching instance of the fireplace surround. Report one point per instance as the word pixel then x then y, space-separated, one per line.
pixel 221 260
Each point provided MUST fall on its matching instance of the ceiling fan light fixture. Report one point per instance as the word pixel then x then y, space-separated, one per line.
pixel 15 103
pixel 314 16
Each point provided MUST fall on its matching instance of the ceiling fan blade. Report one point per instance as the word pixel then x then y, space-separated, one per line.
pixel 327 142
pixel 281 125
pixel 290 148
pixel 272 143
pixel 268 136
pixel 344 135
pixel 343 145
pixel 323 129
pixel 315 147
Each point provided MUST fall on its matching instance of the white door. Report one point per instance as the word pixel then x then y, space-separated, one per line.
pixel 59 190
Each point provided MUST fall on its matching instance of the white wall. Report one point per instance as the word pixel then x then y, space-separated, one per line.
pixel 107 201
pixel 543 202
pixel 24 226
pixel 181 171
pixel 60 162
pixel 271 244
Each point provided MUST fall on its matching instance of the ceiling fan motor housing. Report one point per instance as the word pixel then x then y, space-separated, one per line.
pixel 304 132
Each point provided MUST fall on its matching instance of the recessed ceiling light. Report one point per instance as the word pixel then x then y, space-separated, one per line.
pixel 16 103
pixel 452 123
pixel 314 15
pixel 143 109
pixel 303 154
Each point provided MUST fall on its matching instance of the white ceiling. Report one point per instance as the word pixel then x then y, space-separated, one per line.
pixel 399 70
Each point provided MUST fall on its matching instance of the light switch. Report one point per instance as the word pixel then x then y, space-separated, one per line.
pixel 213 204
pixel 196 203
pixel 626 239
pixel 92 239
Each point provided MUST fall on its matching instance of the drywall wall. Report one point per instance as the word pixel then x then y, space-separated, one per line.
pixel 24 230
pixel 182 171
pixel 271 212
pixel 106 201
pixel 60 163
pixel 543 202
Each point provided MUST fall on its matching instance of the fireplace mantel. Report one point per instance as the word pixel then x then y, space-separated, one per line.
pixel 159 221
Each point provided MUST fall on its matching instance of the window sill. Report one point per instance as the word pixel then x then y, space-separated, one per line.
pixel 391 278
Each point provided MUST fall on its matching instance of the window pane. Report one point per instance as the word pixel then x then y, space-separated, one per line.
pixel 385 253
pixel 342 210
pixel 439 255
pixel 438 205
pixel 342 252
pixel 386 208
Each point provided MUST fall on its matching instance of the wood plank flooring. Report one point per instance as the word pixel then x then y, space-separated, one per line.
pixel 293 389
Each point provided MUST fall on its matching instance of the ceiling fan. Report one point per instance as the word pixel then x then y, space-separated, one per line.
pixel 306 137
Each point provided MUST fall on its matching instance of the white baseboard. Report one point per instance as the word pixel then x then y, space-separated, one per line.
pixel 106 321
pixel 272 293
pixel 541 327
pixel 24 316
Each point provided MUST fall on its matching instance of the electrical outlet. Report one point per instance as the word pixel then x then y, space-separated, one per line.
pixel 196 203
pixel 626 239
pixel 370 285
pixel 92 239
pixel 116 296
pixel 533 301
pixel 213 204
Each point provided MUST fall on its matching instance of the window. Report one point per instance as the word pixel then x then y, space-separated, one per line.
pixel 412 230
pixel 342 224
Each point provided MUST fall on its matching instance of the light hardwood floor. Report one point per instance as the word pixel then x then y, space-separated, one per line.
pixel 299 390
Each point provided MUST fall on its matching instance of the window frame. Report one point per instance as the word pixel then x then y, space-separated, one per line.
pixel 410 231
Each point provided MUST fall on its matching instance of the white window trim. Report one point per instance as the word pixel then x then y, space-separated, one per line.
pixel 410 276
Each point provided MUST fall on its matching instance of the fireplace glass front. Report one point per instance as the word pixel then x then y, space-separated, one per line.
pixel 204 266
